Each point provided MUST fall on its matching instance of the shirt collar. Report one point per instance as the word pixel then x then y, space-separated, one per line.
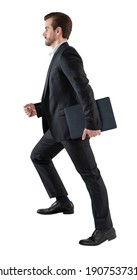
pixel 55 49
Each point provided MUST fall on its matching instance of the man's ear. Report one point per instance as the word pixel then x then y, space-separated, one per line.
pixel 59 30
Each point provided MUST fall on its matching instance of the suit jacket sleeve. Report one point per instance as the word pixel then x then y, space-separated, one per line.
pixel 38 107
pixel 72 66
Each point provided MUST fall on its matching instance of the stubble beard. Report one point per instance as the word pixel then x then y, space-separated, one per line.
pixel 49 43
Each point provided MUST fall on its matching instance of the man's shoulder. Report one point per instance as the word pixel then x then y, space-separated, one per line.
pixel 68 51
pixel 67 54
pixel 66 48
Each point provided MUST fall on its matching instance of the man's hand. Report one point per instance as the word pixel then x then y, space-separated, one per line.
pixel 30 110
pixel 90 133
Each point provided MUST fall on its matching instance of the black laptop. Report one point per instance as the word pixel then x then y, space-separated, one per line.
pixel 76 122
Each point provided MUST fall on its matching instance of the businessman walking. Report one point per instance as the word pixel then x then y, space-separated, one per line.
pixel 66 85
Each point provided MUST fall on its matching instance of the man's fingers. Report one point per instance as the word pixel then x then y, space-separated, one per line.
pixel 90 133
pixel 84 135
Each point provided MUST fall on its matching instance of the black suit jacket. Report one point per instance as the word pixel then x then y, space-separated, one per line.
pixel 66 85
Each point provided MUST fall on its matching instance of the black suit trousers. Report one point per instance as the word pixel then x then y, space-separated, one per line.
pixel 82 156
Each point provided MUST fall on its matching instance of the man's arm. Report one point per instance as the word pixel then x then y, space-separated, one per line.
pixel 72 66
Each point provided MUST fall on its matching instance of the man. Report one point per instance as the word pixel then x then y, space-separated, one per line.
pixel 66 85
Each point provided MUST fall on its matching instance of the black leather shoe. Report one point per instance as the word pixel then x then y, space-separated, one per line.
pixel 57 207
pixel 98 237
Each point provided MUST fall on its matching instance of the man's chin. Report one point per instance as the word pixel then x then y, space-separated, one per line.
pixel 47 43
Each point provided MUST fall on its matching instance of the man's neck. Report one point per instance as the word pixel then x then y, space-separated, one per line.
pixel 58 42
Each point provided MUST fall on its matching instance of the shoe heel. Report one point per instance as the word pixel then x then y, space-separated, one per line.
pixel 68 212
pixel 112 237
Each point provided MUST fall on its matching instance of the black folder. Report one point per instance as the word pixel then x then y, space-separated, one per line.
pixel 76 121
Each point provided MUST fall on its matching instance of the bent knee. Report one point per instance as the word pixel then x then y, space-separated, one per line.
pixel 33 156
pixel 38 157
pixel 93 173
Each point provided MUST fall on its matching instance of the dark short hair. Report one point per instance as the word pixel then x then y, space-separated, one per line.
pixel 61 20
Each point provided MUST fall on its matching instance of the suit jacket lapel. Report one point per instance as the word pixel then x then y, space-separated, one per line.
pixel 47 78
pixel 49 69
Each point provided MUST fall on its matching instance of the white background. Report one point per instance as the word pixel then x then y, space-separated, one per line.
pixel 104 33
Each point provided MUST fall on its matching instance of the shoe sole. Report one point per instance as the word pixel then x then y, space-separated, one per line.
pixel 63 212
